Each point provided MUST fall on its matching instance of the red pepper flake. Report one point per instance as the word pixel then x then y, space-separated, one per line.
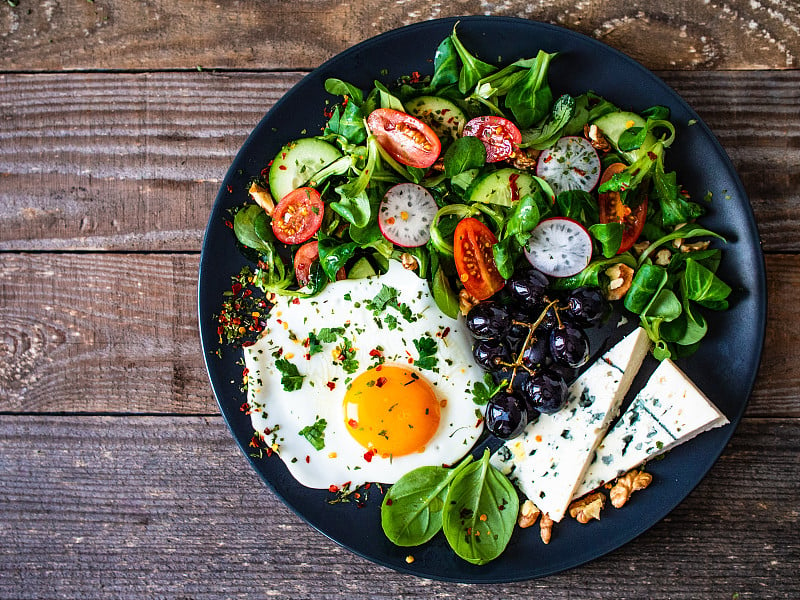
pixel 580 172
pixel 254 441
pixel 245 372
pixel 512 181
pixel 652 155
pixel 331 385
pixel 478 422
pixel 228 224
pixel 375 353
pixel 352 423
pixel 282 167
pixel 308 356
pixel 368 455
pixel 333 488
pixel 445 332
pixel 389 502
pixel 247 343
pixel 244 407
pixel 265 170
pixel 308 458
pixel 367 485
pixel 411 361
pixel 236 287
pixel 379 367
pixel 380 382
pixel 356 495
pixel 230 189
pixel 296 301
pixel 415 77
pixel 548 158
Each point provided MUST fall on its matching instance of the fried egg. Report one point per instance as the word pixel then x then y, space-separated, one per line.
pixel 363 382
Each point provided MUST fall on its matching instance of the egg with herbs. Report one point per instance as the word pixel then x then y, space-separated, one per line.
pixel 363 382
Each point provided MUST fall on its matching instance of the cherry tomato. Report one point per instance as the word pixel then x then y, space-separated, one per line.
pixel 612 209
pixel 298 215
pixel 304 258
pixel 474 258
pixel 407 139
pixel 499 135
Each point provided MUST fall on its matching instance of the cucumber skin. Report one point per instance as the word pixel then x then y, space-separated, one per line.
pixel 495 187
pixel 613 124
pixel 297 162
pixel 429 110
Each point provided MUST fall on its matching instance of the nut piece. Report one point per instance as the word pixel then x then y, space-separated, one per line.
pixel 596 137
pixel 528 513
pixel 587 508
pixel 663 257
pixel 262 197
pixel 525 158
pixel 546 528
pixel 408 261
pixel 696 246
pixel 633 481
pixel 466 301
pixel 620 276
pixel 640 247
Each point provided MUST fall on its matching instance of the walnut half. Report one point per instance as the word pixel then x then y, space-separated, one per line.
pixel 620 278
pixel 546 528
pixel 587 508
pixel 528 513
pixel 633 481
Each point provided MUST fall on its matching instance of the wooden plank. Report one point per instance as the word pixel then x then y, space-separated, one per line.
pixel 125 327
pixel 737 34
pixel 116 508
pixel 110 161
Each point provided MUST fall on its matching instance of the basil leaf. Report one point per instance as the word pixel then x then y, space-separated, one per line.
pixel 578 206
pixel 530 99
pixel 505 253
pixel 333 255
pixel 632 139
pixel 354 209
pixel 244 223
pixel 472 68
pixel 411 512
pixel 480 512
pixel 387 99
pixel 337 87
pixel 445 64
pixel 647 282
pixel 464 154
pixel 704 287
pixel 674 207
pixel 547 135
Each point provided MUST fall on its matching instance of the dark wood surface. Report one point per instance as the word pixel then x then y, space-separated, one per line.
pixel 118 478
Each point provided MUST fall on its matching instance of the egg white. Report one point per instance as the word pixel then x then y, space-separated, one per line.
pixel 280 415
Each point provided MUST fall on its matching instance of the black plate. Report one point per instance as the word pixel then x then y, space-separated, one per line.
pixel 725 367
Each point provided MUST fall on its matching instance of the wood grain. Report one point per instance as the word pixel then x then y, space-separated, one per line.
pixel 156 34
pixel 95 507
pixel 134 161
pixel 125 327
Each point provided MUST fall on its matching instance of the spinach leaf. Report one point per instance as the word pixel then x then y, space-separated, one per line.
pixel 443 294
pixel 315 434
pixel 334 254
pixel 704 287
pixel 609 235
pixel 480 512
pixel 445 64
pixel 506 252
pixel 522 219
pixel 674 207
pixel 354 209
pixel 337 87
pixel 291 380
pixel 387 99
pixel 531 97
pixel 347 122
pixel 579 206
pixel 464 154
pixel 411 512
pixel 656 112
pixel 590 276
pixel 472 68
pixel 547 135
pixel 244 227
pixel 648 281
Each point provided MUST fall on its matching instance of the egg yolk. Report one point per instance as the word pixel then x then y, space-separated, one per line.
pixel 391 410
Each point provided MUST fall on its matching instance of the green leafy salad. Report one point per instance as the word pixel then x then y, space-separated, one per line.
pixel 469 177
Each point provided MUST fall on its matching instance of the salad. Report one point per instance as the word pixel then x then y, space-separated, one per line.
pixel 494 191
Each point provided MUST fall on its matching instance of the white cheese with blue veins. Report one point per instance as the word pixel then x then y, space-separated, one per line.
pixel 547 462
pixel 668 411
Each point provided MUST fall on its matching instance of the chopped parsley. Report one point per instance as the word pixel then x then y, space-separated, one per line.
pixel 483 391
pixel 326 335
pixel 315 434
pixel 387 297
pixel 291 380
pixel 426 347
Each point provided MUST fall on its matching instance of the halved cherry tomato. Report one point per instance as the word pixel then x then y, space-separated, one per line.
pixel 298 215
pixel 304 258
pixel 474 258
pixel 612 209
pixel 407 139
pixel 499 135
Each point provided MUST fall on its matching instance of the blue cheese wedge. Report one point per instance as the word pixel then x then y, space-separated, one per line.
pixel 548 460
pixel 668 411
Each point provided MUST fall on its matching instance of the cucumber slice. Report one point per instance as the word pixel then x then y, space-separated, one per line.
pixel 296 164
pixel 613 124
pixel 443 116
pixel 502 187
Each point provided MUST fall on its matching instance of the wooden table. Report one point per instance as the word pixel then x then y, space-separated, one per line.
pixel 118 477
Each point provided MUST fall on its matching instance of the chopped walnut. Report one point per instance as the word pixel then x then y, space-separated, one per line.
pixel 633 481
pixel 596 137
pixel 620 277
pixel 525 158
pixel 677 243
pixel 466 301
pixel 546 528
pixel 640 247
pixel 587 508
pixel 408 261
pixel 262 197
pixel 438 166
pixel 695 246
pixel 528 513
pixel 663 257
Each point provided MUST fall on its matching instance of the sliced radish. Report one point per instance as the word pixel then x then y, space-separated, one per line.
pixel 559 247
pixel 570 164
pixel 405 215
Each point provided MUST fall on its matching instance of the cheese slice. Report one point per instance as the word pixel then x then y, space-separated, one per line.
pixel 668 411
pixel 548 460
